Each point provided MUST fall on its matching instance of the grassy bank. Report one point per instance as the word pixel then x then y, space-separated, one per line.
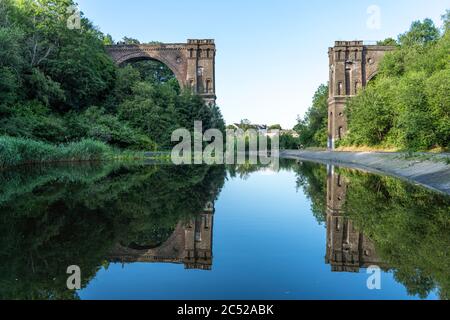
pixel 19 151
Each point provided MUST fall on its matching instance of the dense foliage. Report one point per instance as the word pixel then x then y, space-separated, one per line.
pixel 58 84
pixel 57 216
pixel 408 225
pixel 18 151
pixel 313 127
pixel 407 106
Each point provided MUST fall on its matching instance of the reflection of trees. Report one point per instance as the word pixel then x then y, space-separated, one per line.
pixel 312 178
pixel 409 226
pixel 55 217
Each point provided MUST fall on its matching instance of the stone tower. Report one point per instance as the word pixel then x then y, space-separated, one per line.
pixel 352 66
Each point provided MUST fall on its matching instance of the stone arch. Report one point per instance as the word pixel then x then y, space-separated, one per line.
pixel 183 59
pixel 122 54
pixel 371 76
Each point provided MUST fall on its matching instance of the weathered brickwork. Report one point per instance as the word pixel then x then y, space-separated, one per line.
pixel 352 66
pixel 193 63
pixel 190 244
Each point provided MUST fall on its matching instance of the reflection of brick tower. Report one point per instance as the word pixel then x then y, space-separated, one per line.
pixel 198 240
pixel 347 249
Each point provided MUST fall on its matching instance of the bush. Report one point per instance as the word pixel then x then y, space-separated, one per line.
pixel 407 106
pixel 96 124
pixel 17 151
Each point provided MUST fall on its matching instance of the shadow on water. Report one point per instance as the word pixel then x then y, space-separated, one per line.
pixel 92 215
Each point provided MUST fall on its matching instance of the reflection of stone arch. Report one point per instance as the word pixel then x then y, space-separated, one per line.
pixel 190 244
pixel 184 59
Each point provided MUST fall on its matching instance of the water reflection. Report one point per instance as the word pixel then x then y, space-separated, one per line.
pixel 92 214
pixel 99 215
pixel 190 244
pixel 348 249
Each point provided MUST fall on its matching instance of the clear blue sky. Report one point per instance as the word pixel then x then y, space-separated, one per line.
pixel 272 54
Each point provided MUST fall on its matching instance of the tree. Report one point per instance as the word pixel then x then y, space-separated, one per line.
pixel 245 124
pixel 388 42
pixel 275 127
pixel 127 40
pixel 406 107
pixel 313 128
pixel 420 33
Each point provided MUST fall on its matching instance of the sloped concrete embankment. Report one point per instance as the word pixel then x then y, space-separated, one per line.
pixel 429 170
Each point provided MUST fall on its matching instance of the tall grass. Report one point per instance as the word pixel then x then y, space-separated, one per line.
pixel 17 151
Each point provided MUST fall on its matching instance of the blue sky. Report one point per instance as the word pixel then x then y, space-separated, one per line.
pixel 272 54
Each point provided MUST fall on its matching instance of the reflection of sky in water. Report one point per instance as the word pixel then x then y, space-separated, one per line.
pixel 267 244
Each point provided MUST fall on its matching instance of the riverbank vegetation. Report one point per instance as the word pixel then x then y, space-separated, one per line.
pixel 313 127
pixel 408 225
pixel 59 86
pixel 56 214
pixel 407 106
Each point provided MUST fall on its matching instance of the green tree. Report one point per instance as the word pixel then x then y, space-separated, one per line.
pixel 313 127
pixel 420 33
pixel 407 105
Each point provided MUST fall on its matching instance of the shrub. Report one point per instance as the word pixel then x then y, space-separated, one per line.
pixel 17 151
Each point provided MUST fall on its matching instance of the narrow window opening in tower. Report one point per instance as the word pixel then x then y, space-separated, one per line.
pixel 208 85
pixel 198 236
pixel 347 81
pixel 200 71
pixel 339 88
pixel 356 87
pixel 340 132
pixel 330 123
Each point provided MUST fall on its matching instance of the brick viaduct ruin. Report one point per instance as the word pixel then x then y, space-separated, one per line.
pixel 193 63
pixel 190 244
pixel 352 66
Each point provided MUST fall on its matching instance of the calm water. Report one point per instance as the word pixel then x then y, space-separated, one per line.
pixel 151 231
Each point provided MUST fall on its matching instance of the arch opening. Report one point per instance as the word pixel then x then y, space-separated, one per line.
pixel 372 78
pixel 154 71
pixel 148 239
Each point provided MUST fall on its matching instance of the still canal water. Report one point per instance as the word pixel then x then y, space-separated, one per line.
pixel 155 231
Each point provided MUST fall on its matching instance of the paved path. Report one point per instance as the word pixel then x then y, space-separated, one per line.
pixel 429 170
